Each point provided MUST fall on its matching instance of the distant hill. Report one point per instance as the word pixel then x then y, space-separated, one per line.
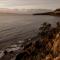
pixel 57 12
pixel 32 11
pixel 54 13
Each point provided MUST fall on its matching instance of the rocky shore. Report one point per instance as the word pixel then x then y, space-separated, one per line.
pixel 45 46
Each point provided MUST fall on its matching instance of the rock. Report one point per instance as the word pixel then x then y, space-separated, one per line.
pixel 57 58
pixel 56 46
pixel 49 57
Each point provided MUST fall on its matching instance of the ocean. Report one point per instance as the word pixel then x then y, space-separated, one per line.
pixel 15 28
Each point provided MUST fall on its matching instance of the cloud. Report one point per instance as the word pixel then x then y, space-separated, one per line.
pixel 42 3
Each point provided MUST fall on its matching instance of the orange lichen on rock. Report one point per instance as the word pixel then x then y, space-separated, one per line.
pixel 57 58
pixel 56 46
pixel 49 57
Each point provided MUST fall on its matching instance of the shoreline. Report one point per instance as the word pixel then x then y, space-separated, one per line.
pixel 42 40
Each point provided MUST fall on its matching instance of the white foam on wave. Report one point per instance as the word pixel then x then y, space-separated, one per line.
pixel 13 49
pixel 1 53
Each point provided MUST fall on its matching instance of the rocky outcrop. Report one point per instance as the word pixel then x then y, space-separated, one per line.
pixel 55 49
pixel 46 46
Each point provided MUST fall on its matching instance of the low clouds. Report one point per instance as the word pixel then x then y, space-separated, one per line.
pixel 51 4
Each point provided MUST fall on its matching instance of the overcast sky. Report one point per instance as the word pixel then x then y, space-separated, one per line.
pixel 44 4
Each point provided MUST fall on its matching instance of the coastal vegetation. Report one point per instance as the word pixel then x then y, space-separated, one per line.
pixel 45 46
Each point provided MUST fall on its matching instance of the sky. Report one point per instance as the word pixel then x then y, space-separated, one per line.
pixel 28 4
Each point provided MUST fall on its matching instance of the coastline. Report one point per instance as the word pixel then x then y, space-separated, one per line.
pixel 52 13
pixel 42 41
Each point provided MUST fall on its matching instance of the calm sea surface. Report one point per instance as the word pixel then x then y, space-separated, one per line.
pixel 14 28
pixel 22 26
